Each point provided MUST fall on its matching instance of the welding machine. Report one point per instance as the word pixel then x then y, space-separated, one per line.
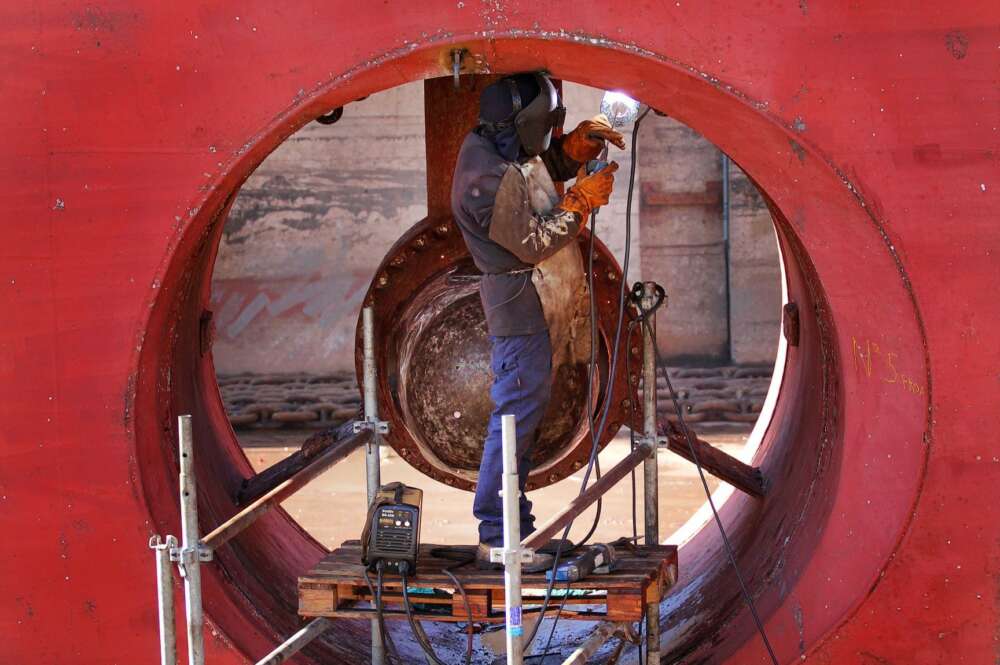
pixel 392 529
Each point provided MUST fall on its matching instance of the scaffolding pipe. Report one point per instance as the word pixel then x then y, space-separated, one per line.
pixel 372 459
pixel 650 473
pixel 165 598
pixel 511 494
pixel 189 554
pixel 371 403
pixel 297 642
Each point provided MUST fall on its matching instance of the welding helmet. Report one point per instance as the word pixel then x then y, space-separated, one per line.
pixel 527 102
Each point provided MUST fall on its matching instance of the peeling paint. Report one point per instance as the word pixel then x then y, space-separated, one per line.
pixel 799 619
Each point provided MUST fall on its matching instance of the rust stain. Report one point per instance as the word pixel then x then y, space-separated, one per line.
pixel 25 604
pixel 957 44
pixel 97 19
pixel 799 151
pixel 129 401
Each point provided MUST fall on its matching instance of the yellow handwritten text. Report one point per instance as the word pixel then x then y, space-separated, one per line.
pixel 872 361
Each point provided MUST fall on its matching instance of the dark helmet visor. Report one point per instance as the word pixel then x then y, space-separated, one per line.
pixel 536 121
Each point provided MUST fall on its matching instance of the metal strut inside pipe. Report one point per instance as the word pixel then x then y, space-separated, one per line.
pixel 651 492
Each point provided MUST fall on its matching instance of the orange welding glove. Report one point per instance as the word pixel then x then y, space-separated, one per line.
pixel 589 191
pixel 586 141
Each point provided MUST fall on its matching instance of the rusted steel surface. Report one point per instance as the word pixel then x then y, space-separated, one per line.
pixel 431 340
pixel 449 114
pixel 128 128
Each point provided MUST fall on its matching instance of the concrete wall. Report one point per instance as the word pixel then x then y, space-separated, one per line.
pixel 310 226
pixel 754 274
pixel 307 231
pixel 684 249
pixel 682 244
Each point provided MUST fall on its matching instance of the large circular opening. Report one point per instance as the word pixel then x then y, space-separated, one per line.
pixel 309 228
pixel 782 542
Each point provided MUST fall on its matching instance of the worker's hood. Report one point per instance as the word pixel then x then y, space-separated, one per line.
pixel 518 114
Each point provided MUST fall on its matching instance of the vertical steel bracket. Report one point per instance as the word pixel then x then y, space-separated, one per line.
pixel 457 55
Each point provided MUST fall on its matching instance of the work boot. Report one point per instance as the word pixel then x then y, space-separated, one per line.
pixel 539 561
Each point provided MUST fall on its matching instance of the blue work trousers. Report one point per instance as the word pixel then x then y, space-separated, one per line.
pixel 522 371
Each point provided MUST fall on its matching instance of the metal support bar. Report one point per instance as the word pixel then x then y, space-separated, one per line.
pixel 165 598
pixel 297 642
pixel 725 467
pixel 457 55
pixel 580 502
pixel 372 457
pixel 190 550
pixel 597 639
pixel 650 476
pixel 513 551
pixel 241 520
pixel 260 484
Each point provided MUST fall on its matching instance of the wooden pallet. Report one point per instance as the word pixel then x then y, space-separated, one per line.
pixel 336 587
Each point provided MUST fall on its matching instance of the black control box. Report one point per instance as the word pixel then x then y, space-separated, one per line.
pixel 392 531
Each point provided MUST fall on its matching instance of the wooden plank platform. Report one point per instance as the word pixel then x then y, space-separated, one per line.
pixel 336 587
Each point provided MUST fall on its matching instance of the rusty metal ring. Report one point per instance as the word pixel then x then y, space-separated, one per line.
pixel 438 409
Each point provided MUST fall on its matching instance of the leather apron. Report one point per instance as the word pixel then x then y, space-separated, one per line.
pixel 559 279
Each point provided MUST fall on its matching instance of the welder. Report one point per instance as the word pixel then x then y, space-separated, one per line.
pixel 505 202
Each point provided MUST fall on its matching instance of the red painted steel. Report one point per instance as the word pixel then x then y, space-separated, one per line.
pixel 874 131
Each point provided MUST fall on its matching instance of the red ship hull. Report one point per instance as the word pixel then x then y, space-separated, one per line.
pixel 873 131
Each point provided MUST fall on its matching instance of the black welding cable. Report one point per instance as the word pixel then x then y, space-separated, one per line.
pixel 380 612
pixel 468 614
pixel 592 459
pixel 460 560
pixel 595 432
pixel 688 436
pixel 418 631
pixel 548 643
